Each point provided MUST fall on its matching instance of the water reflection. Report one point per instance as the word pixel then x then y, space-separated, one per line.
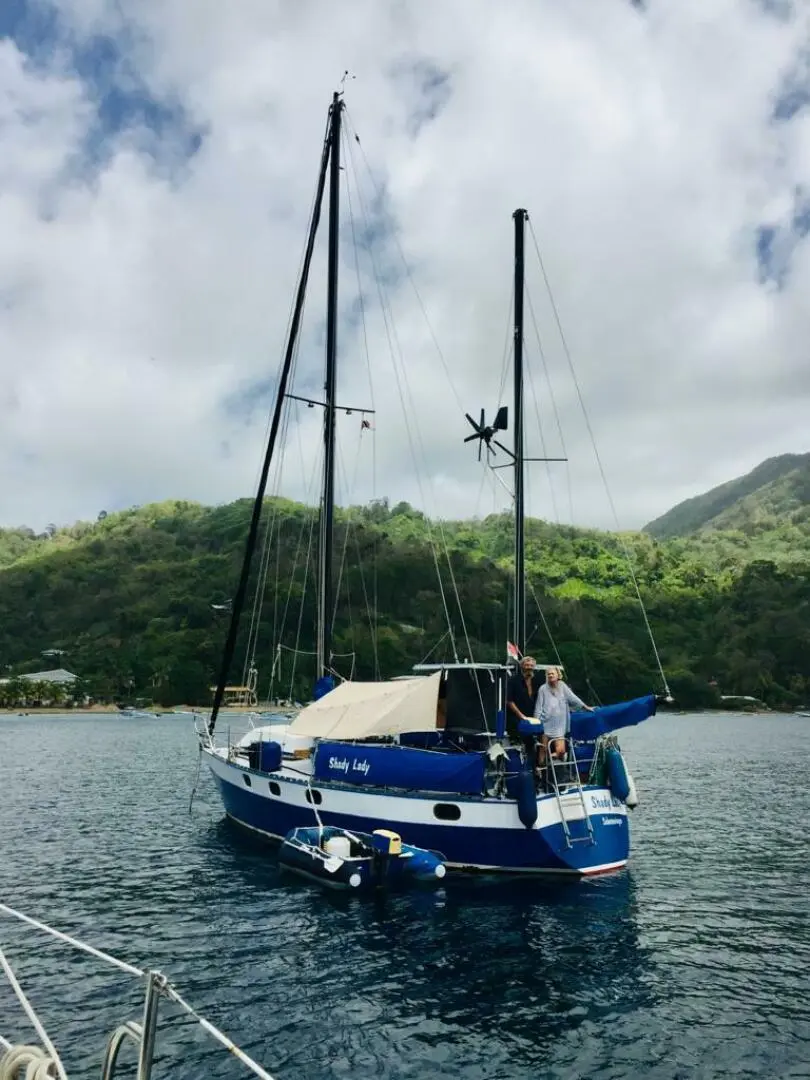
pixel 514 960
pixel 657 972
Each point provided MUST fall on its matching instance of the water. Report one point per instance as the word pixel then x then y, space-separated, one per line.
pixel 692 964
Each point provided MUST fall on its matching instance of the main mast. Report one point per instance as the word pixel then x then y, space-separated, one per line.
pixel 325 599
pixel 519 624
pixel 238 602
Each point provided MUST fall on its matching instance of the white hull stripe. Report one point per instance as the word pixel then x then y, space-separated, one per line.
pixel 481 813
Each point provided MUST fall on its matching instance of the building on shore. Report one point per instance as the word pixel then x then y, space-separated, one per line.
pixel 46 687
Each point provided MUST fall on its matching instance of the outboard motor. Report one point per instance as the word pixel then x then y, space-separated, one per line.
pixel 387 845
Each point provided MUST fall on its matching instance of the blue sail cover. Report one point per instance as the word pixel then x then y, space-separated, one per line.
pixel 588 726
pixel 322 687
pixel 400 767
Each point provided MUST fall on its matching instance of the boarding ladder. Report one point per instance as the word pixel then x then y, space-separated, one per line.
pixel 570 763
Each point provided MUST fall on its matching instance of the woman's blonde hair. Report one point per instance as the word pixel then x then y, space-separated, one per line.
pixel 555 669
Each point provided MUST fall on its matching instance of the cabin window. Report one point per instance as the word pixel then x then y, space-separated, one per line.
pixel 275 789
pixel 246 778
pixel 314 797
pixel 446 811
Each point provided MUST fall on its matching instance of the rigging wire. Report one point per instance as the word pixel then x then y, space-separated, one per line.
pixel 543 446
pixel 391 337
pixel 374 624
pixel 406 265
pixel 351 529
pixel 553 400
pixel 439 521
pixel 546 627
pixel 264 562
pixel 433 648
pixel 278 631
pixel 341 467
pixel 277 515
pixel 560 433
pixel 307 518
pixel 312 520
pixel 529 582
pixel 349 525
pixel 301 262
pixel 597 455
pixel 253 632
pixel 486 471
pixel 454 391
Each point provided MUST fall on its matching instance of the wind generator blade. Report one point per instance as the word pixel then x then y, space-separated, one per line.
pixel 471 437
pixel 477 428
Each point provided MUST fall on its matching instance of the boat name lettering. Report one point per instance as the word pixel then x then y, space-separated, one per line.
pixel 604 802
pixel 342 765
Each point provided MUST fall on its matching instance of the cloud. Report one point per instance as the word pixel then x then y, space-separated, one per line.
pixel 156 176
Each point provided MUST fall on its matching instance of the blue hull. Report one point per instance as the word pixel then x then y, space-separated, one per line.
pixel 538 850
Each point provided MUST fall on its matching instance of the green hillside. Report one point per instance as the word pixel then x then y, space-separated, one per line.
pixel 129 600
pixel 775 492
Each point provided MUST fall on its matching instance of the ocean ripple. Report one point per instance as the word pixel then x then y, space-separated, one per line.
pixel 692 964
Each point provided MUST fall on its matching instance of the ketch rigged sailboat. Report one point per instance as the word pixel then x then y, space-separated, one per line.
pixel 434 756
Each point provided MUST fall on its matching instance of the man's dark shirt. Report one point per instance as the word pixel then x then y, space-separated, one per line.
pixel 516 691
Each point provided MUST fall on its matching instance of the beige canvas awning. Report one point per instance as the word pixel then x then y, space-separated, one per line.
pixel 356 710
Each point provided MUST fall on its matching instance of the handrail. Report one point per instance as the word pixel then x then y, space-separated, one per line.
pixel 143 1034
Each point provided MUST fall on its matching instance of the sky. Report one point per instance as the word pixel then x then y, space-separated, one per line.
pixel 157 165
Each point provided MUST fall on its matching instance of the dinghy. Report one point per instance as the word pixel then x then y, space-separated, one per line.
pixel 341 859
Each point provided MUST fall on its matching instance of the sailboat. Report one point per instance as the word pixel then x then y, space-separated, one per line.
pixel 433 756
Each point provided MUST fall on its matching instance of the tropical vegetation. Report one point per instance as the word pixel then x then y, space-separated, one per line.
pixel 137 601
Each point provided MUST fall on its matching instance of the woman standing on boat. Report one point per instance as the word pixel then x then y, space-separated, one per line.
pixel 553 709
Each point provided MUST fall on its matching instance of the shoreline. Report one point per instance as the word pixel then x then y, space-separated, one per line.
pixel 88 710
pixel 113 710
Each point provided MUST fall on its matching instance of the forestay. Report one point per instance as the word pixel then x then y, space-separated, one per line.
pixel 359 710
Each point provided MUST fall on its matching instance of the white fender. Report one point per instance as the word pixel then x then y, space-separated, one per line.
pixel 632 794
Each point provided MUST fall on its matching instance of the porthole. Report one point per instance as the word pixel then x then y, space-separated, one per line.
pixel 314 797
pixel 246 778
pixel 275 789
pixel 446 811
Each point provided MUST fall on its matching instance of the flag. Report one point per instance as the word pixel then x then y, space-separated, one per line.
pixel 512 651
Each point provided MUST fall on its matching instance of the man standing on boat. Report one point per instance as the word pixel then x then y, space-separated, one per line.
pixel 521 700
pixel 521 693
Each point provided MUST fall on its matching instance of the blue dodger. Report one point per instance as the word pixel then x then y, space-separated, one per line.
pixel 402 767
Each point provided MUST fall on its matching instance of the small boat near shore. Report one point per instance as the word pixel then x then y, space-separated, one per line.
pixel 341 859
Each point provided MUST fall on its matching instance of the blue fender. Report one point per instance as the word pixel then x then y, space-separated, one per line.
pixel 526 796
pixel 617 774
